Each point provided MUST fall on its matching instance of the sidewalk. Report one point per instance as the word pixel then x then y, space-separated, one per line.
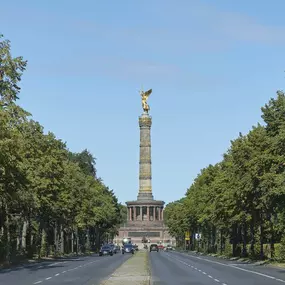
pixel 134 271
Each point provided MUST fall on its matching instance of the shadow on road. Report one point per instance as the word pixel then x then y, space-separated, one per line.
pixel 43 264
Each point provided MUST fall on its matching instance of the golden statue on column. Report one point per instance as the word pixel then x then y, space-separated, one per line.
pixel 145 96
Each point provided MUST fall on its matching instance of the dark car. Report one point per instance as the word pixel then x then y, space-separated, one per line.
pixel 106 250
pixel 128 248
pixel 153 247
pixel 114 248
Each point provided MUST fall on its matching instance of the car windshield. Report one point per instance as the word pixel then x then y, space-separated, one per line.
pixel 105 247
pixel 128 245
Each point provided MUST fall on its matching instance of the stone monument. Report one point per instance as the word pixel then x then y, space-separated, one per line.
pixel 145 215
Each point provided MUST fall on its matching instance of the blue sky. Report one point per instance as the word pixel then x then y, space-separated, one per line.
pixel 211 65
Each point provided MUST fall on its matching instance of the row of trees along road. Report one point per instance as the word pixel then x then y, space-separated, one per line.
pixel 51 201
pixel 238 205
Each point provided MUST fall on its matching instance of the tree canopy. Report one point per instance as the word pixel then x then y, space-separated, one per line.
pixel 237 205
pixel 51 200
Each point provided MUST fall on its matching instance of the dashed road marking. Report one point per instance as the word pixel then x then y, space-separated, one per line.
pixel 183 262
pixel 234 266
pixel 80 266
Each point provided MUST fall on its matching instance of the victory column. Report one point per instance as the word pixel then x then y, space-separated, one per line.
pixel 145 215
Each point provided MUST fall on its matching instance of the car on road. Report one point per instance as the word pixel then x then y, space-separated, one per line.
pixel 106 250
pixel 114 248
pixel 153 247
pixel 128 248
pixel 169 247
pixel 118 248
pixel 160 247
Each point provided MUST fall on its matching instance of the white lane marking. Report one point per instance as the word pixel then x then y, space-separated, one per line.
pixel 183 262
pixel 233 266
pixel 261 274
pixel 38 282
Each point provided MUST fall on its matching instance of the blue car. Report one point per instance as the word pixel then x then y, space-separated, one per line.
pixel 128 248
pixel 106 250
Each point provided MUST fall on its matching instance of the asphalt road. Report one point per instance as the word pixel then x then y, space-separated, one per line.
pixel 171 268
pixel 90 270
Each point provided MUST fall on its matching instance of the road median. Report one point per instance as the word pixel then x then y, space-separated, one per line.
pixel 134 271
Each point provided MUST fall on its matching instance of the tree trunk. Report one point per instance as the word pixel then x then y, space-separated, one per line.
pixel 43 242
pixel 28 239
pixel 87 239
pixel 72 241
pixel 261 242
pixel 39 241
pixel 221 242
pixel 6 234
pixel 62 239
pixel 24 236
pixel 272 249
pixel 234 240
pixel 77 241
pixel 55 239
pixel 244 239
pixel 252 236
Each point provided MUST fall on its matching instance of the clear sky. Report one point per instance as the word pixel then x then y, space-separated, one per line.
pixel 211 65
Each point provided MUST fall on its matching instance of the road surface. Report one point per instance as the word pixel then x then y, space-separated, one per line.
pixel 167 268
pixel 72 271
pixel 171 268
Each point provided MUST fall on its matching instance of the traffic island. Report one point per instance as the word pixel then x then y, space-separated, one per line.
pixel 134 271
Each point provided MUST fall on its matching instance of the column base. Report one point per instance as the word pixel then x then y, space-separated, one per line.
pixel 145 196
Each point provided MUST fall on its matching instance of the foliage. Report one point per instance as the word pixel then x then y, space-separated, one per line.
pixel 51 201
pixel 240 200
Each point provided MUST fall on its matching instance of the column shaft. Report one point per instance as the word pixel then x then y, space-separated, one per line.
pixel 145 186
